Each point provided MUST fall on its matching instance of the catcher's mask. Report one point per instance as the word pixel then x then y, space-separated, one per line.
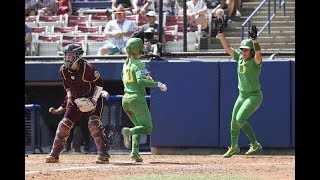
pixel 247 44
pixel 72 54
pixel 135 46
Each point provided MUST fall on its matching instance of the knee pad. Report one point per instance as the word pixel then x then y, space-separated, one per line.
pixel 95 125
pixel 64 127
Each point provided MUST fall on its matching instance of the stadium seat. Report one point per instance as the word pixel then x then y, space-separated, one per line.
pixel 50 21
pixel 94 42
pixel 31 21
pixel 80 39
pixel 72 20
pixel 99 20
pixel 65 30
pixel 48 45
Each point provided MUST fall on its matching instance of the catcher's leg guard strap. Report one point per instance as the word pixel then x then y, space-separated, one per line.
pixel 97 132
pixel 62 134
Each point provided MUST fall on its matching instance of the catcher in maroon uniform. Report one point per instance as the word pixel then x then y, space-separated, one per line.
pixel 83 85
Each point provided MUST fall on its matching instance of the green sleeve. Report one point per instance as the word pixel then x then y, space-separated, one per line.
pixel 236 55
pixel 141 73
pixel 147 83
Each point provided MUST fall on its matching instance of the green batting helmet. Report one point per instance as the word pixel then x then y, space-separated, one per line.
pixel 246 44
pixel 134 46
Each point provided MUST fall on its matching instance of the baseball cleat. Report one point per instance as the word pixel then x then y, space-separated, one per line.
pixel 126 137
pixel 103 159
pixel 136 157
pixel 52 159
pixel 231 151
pixel 254 147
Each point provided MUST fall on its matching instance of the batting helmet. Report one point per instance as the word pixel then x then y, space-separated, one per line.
pixel 246 44
pixel 72 54
pixel 134 46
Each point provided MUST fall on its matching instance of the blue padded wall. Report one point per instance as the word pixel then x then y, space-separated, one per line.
pixel 50 71
pixel 42 71
pixel 271 122
pixel 293 102
pixel 187 113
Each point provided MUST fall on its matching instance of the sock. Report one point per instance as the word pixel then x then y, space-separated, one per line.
pixel 235 132
pixel 135 143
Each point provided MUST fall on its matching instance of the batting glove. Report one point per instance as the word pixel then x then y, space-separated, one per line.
pixel 253 32
pixel 162 86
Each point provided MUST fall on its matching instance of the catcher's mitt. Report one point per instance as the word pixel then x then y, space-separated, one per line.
pixel 85 104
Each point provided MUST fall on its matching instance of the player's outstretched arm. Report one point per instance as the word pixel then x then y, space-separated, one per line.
pixel 253 33
pixel 223 40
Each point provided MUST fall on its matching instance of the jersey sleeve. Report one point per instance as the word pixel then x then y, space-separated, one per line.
pixel 91 74
pixel 141 73
pixel 236 55
pixel 63 75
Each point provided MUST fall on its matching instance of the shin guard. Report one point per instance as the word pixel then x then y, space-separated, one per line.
pixel 98 134
pixel 62 134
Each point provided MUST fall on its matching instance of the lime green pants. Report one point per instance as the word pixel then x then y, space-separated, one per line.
pixel 245 105
pixel 136 107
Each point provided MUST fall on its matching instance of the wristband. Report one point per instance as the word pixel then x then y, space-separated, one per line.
pixel 97 93
pixel 256 46
pixel 69 94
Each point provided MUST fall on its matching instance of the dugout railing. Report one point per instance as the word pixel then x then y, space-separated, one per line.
pixel 247 23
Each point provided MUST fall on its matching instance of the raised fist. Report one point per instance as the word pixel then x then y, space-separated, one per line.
pixel 253 31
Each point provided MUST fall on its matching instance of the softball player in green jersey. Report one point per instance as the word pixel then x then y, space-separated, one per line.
pixel 135 79
pixel 250 97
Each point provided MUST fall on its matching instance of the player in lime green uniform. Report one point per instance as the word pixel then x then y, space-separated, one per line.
pixel 135 79
pixel 250 97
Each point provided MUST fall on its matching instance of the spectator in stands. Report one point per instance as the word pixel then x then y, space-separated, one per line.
pixel 27 37
pixel 118 30
pixel 143 6
pixel 249 60
pixel 167 6
pixel 233 5
pixel 178 7
pixel 215 7
pixel 127 4
pixel 196 12
pixel 30 7
pixel 46 7
pixel 64 7
pixel 151 42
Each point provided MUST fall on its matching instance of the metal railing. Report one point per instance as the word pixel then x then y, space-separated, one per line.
pixel 247 22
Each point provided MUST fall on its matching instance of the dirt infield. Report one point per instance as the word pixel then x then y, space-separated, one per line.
pixel 82 167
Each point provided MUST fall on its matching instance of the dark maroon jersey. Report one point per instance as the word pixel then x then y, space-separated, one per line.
pixel 81 82
pixel 64 103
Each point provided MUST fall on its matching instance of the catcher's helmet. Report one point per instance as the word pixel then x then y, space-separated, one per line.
pixel 134 46
pixel 72 54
